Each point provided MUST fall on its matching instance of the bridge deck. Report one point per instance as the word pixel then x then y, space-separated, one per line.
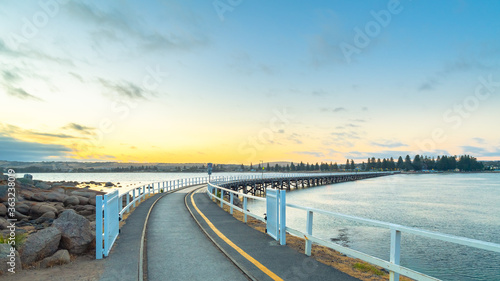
pixel 177 249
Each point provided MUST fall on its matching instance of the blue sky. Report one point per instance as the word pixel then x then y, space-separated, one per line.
pixel 243 81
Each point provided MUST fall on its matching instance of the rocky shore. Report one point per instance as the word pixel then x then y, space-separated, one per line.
pixel 52 221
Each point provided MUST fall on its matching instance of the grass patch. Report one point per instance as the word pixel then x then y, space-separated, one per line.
pixel 368 268
pixel 19 240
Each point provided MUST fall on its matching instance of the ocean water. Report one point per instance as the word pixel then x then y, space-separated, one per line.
pixel 466 205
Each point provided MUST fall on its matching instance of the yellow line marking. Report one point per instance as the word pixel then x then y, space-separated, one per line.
pixel 238 249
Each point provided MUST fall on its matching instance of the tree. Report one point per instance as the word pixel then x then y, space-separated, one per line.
pixel 347 165
pixel 335 167
pixel 379 164
pixel 242 167
pixel 268 168
pixel 392 165
pixel 400 164
pixel 353 167
pixel 368 165
pixel 408 165
pixel 417 163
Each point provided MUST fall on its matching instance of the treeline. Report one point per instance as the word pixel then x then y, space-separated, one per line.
pixel 465 163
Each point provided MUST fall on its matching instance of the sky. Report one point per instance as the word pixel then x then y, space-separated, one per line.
pixel 238 81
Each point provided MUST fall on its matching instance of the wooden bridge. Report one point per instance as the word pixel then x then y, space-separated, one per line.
pixel 258 187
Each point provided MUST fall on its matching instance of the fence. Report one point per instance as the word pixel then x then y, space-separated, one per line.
pixel 279 197
pixel 111 207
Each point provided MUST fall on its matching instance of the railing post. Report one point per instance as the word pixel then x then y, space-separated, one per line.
pixel 231 201
pixel 120 203
pixel 128 200
pixel 221 198
pixel 309 229
pixel 395 252
pixel 245 208
pixel 143 193
pixel 282 203
pixel 106 224
pixel 133 196
pixel 98 227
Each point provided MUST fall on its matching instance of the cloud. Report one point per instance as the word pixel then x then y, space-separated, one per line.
pixel 388 144
pixel 317 154
pixel 358 120
pixel 125 89
pixel 334 110
pixel 12 149
pixel 479 140
pixel 124 24
pixel 461 64
pixel 245 64
pixel 480 151
pixel 10 76
pixel 295 138
pixel 20 93
pixel 80 128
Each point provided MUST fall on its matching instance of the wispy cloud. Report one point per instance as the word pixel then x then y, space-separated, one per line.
pixel 20 93
pixel 80 128
pixel 125 89
pixel 317 154
pixel 334 110
pixel 387 143
pixel 480 151
pixel 461 64
pixel 123 24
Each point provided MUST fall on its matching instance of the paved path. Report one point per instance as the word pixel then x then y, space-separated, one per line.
pixel 178 250
pixel 280 261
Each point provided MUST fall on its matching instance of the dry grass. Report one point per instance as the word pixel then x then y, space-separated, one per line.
pixel 351 266
pixel 132 208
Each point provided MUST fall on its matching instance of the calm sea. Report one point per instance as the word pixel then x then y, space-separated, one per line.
pixel 466 205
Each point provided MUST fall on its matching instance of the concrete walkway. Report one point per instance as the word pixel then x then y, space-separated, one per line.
pixel 282 261
pixel 178 250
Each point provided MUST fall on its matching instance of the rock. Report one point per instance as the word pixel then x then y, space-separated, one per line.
pixel 60 208
pixel 55 197
pixel 41 208
pixel 92 200
pixel 59 258
pixel 23 208
pixel 4 193
pixel 43 185
pixel 26 194
pixel 108 184
pixel 5 251
pixel 38 197
pixel 40 245
pixel 76 234
pixel 28 176
pixel 83 200
pixel 20 216
pixel 49 215
pixel 87 194
pixel 3 210
pixel 3 224
pixel 71 200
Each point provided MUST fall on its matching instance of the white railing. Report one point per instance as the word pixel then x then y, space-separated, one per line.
pixel 216 191
pixel 110 209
